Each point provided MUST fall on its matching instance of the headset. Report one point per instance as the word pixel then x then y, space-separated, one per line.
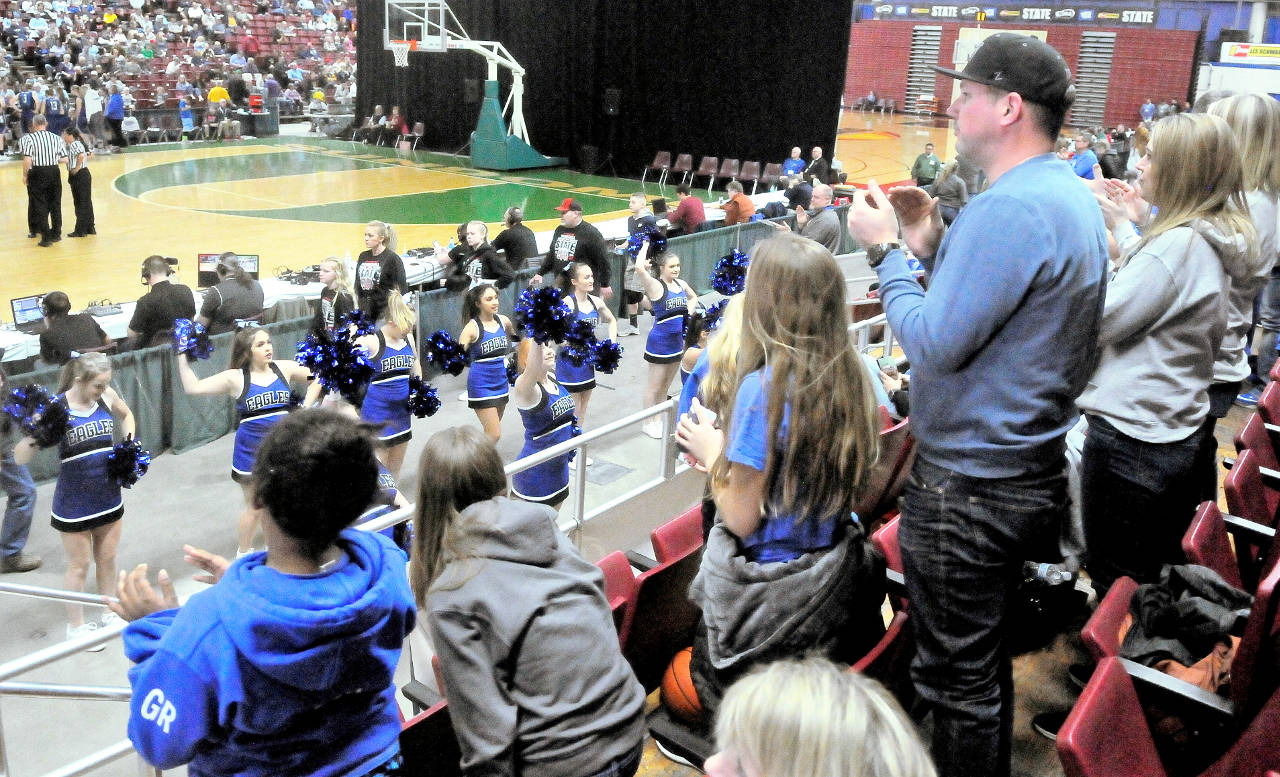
pixel 169 260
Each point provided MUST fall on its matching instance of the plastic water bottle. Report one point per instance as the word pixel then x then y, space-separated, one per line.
pixel 1053 574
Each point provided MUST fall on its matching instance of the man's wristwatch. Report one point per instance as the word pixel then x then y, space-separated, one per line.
pixel 876 253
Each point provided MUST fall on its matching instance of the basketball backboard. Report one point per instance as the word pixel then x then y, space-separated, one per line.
pixel 420 22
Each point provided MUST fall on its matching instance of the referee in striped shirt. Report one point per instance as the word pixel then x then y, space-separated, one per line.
pixel 41 150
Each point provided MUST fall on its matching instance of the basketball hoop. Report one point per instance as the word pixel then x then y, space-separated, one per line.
pixel 400 51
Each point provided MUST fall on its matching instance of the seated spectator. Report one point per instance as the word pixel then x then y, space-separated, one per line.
pixel 66 334
pixel 820 224
pixel 739 209
pixel 689 214
pixel 293 97
pixel 793 165
pixel 228 126
pixel 536 682
pixel 317 107
pixel 817 170
pixel 237 297
pixel 517 242
pixel 799 194
pixel 393 127
pixel 813 718
pixel 301 682
pixel 237 60
pixel 165 302
pixel 373 126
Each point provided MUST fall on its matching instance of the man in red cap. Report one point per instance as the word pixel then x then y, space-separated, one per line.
pixel 575 240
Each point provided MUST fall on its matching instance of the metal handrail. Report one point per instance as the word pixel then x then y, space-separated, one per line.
pixel 57 594
pixel 65 691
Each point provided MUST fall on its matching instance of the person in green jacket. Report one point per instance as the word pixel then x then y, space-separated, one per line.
pixel 927 167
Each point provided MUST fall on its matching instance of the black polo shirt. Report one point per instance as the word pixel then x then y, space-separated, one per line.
pixel 156 311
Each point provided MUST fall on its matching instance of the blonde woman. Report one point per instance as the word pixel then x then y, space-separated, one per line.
pixel 811 719
pixel 379 270
pixel 395 354
pixel 337 299
pixel 1161 326
pixel 1255 120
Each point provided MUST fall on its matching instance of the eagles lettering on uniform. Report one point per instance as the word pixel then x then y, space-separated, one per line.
pixel 495 347
pixel 85 432
pixel 562 406
pixel 400 361
pixel 265 400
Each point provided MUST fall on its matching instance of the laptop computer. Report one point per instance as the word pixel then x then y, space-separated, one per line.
pixel 28 318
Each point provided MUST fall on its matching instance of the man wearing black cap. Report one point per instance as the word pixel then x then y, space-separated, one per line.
pixel 575 240
pixel 1000 347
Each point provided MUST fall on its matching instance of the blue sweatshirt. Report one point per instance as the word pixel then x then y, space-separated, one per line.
pixel 274 674
pixel 1006 337
pixel 115 107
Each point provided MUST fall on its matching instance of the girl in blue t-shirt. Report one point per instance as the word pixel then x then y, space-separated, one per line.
pixel 260 386
pixel 87 505
pixel 797 445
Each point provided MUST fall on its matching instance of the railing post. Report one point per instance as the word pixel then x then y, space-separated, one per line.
pixel 579 495
pixel 668 467
pixel 4 753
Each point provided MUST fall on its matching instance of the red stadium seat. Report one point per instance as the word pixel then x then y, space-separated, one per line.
pixel 1251 499
pixel 728 169
pixel 707 166
pixel 684 166
pixel 661 164
pixel 619 586
pixel 1207 543
pixel 1254 436
pixel 663 619
pixel 678 536
pixel 772 174
pixel 884 485
pixel 428 744
pixel 750 172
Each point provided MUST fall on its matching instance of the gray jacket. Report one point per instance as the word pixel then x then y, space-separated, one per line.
pixel 536 682
pixel 1232 364
pixel 1163 322
pixel 824 227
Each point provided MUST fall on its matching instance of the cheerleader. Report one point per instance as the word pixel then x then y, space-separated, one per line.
pixel 671 298
pixel 695 342
pixel 337 299
pixel 486 336
pixel 546 408
pixel 586 307
pixel 395 354
pixel 80 181
pixel 260 386
pixel 87 506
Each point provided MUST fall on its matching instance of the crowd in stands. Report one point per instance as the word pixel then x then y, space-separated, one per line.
pixel 94 65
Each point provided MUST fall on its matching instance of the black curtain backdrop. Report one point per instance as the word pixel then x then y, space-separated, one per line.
pixel 728 79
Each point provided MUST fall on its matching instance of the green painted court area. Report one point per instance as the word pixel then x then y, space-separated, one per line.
pixel 323 180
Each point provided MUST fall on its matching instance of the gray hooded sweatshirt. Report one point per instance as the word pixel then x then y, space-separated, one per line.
pixel 1162 324
pixel 1232 363
pixel 536 683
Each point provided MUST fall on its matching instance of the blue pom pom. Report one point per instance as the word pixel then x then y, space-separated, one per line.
pixel 423 400
pixel 545 313
pixel 340 364
pixel 513 370
pixel 657 242
pixel 191 338
pixel 730 274
pixel 574 431
pixel 444 352
pixel 127 462
pixel 579 343
pixel 360 320
pixel 715 315
pixel 41 416
pixel 607 354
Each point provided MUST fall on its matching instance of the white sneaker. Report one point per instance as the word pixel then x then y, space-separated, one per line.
pixel 108 618
pixel 573 463
pixel 462 397
pixel 84 630
pixel 630 332
pixel 653 429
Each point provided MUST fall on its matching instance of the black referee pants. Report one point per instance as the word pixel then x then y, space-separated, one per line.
pixel 82 196
pixel 44 201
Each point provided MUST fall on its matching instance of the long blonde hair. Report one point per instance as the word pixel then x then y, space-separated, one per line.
pixel 342 281
pixel 387 232
pixel 1198 176
pixel 795 327
pixel 1255 120
pixel 810 719
pixel 460 466
pixel 722 357
pixel 399 313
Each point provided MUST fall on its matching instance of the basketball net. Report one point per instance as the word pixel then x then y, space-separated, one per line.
pixel 400 50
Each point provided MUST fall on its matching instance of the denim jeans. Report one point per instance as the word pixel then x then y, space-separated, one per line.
pixel 17 483
pixel 1264 341
pixel 1139 497
pixel 964 541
